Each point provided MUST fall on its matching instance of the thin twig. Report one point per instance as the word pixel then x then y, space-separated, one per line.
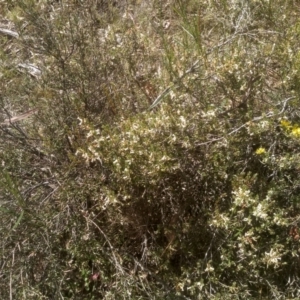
pixel 174 85
pixel 270 115
pixel 10 287
pixel 9 32
pixel 20 117
pixel 109 244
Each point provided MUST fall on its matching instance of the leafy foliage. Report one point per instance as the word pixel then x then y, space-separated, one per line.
pixel 149 150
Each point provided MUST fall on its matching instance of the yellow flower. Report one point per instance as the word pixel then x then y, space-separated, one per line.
pixel 285 124
pixel 295 131
pixel 260 150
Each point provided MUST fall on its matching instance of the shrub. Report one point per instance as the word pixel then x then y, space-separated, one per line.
pixel 149 157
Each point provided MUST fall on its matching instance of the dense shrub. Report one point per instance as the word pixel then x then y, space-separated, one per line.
pixel 149 150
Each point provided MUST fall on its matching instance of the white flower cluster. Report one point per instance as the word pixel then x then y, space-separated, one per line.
pixel 242 197
pixel 272 258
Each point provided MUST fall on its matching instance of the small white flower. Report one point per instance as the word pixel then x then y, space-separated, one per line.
pixel 80 121
pixel 272 258
pixel 209 268
pixel 90 133
pixel 259 212
pixel 183 121
pixel 242 197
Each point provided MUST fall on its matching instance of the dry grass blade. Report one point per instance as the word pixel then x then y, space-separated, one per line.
pixel 9 32
pixel 30 69
pixel 20 117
